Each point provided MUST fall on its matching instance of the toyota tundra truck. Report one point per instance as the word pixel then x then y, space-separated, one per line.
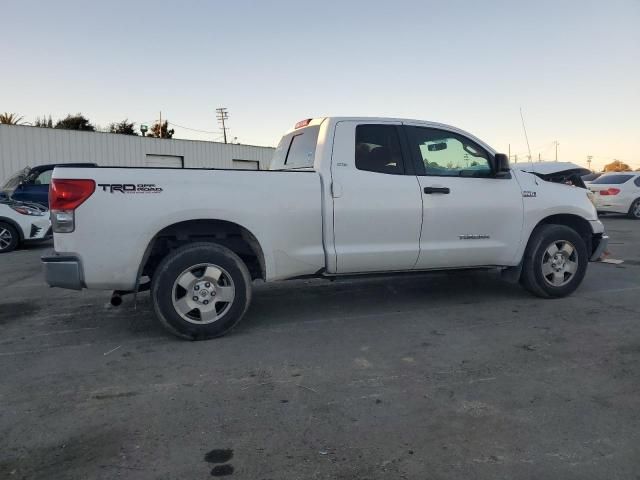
pixel 344 196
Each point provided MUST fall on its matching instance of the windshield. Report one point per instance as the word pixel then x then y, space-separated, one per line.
pixel 612 179
pixel 16 178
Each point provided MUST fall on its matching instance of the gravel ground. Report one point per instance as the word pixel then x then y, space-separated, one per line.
pixel 427 377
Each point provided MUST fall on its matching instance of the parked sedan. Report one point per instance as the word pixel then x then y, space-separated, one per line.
pixel 617 193
pixel 22 222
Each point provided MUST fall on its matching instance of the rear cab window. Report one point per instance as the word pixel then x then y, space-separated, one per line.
pixel 611 179
pixel 297 150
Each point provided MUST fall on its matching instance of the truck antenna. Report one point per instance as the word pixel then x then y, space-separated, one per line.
pixel 524 128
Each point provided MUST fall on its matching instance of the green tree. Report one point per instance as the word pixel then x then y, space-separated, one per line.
pixel 10 118
pixel 164 132
pixel 124 127
pixel 75 122
pixel 43 122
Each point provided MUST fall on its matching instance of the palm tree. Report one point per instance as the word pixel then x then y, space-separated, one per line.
pixel 10 118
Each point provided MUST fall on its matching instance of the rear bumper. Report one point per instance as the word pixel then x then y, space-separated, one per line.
pixel 611 206
pixel 64 271
pixel 599 244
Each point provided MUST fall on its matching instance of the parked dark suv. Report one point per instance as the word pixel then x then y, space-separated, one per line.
pixel 32 184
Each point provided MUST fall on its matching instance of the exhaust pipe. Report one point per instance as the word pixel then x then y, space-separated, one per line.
pixel 116 299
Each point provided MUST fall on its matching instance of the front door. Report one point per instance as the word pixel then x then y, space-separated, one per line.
pixel 470 216
pixel 377 204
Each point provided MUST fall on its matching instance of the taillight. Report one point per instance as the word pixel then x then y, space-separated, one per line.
pixel 64 197
pixel 610 191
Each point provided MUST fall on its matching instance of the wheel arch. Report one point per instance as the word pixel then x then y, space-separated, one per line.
pixel 15 225
pixel 234 236
pixel 575 222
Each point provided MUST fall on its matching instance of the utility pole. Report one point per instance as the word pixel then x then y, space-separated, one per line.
pixel 160 124
pixel 539 159
pixel 589 158
pixel 222 115
pixel 516 158
pixel 509 152
pixel 556 142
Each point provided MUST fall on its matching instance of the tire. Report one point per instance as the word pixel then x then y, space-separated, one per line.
pixel 206 276
pixel 9 237
pixel 634 210
pixel 558 275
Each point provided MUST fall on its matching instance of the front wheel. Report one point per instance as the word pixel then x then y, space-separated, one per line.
pixel 201 291
pixel 8 238
pixel 555 261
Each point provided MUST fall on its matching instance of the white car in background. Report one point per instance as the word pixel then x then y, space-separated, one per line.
pixel 617 192
pixel 22 222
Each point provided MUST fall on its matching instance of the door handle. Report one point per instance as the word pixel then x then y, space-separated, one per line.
pixel 429 190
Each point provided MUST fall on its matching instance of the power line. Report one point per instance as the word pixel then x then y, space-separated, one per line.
pixel 193 129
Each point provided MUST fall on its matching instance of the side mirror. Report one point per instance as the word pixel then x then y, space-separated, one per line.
pixel 501 163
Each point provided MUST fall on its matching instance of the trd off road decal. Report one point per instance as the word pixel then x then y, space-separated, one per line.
pixel 130 187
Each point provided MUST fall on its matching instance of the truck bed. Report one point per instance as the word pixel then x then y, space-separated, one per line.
pixel 116 224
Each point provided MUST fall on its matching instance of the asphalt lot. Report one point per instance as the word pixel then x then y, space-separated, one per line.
pixel 427 377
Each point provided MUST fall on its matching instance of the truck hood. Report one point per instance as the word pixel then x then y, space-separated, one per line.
pixel 556 172
pixel 551 168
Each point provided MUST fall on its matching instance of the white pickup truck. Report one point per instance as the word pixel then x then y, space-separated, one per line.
pixel 344 196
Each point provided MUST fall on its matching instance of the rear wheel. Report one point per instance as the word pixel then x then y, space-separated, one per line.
pixel 555 261
pixel 201 291
pixel 9 238
pixel 634 210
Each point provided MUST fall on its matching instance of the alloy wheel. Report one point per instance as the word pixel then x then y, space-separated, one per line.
pixel 5 238
pixel 559 263
pixel 203 293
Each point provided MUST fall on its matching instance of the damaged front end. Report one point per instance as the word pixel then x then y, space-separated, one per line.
pixel 567 173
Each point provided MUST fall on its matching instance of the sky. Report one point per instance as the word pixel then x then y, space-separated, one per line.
pixel 573 67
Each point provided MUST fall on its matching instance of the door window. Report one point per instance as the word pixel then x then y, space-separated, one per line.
pixel 447 154
pixel 44 178
pixel 378 149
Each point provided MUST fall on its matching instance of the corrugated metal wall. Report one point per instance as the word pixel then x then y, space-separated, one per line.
pixel 22 146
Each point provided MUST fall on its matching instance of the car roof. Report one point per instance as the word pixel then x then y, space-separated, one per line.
pixel 51 166
pixel 608 174
pixel 411 121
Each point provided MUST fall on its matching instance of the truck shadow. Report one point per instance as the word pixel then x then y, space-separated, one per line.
pixel 320 300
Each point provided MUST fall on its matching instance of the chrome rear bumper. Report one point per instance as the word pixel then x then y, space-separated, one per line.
pixel 64 271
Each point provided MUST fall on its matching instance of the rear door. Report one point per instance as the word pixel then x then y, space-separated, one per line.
pixel 470 217
pixel 377 205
